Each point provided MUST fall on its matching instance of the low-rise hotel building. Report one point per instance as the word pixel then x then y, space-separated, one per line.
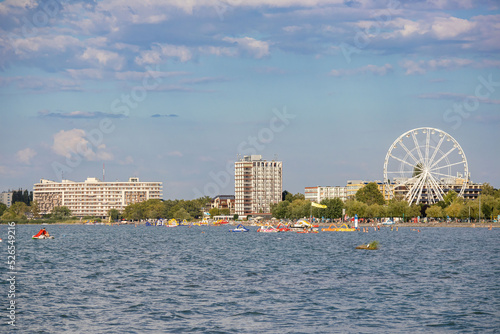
pixel 93 197
pixel 317 194
pixel 223 202
pixel 471 189
pixel 353 186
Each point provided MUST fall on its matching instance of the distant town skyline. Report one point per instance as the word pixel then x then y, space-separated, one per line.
pixel 173 92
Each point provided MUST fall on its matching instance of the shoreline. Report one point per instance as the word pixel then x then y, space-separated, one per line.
pixel 362 225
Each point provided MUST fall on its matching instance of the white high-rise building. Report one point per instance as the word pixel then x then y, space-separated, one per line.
pixel 93 197
pixel 257 184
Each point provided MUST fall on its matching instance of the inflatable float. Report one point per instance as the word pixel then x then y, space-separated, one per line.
pixel 240 228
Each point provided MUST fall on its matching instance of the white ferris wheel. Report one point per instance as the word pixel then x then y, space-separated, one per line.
pixel 423 164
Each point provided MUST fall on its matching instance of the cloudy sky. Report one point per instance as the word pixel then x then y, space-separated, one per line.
pixel 174 90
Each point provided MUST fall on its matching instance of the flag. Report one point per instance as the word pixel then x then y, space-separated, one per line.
pixel 316 205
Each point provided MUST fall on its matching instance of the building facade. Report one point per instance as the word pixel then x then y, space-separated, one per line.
pixel 353 186
pixel 93 197
pixel 223 202
pixel 6 198
pixel 471 190
pixel 257 184
pixel 317 194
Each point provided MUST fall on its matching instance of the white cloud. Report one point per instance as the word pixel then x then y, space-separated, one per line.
pixel 422 66
pixel 139 76
pixel 175 154
pixel 76 142
pixel 292 29
pixel 218 51
pixel 29 47
pixel 85 73
pixel 373 69
pixel 26 155
pixel 160 52
pixel 447 28
pixel 252 46
pixel 103 58
pixel 41 84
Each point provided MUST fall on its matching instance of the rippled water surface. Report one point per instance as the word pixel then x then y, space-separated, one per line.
pixel 126 279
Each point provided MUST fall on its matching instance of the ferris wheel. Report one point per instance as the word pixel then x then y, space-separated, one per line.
pixel 423 164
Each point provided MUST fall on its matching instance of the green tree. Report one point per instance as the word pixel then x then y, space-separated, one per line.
pixel 376 211
pixel 442 204
pixel 299 196
pixel 284 194
pixel 454 209
pixel 488 205
pixel 214 212
pixel 60 212
pixel 354 207
pixel 414 211
pixel 16 211
pixel 182 214
pixel 299 208
pixel 225 211
pixel 397 208
pixel 133 211
pixel 469 209
pixel 418 169
pixel 35 210
pixel 370 194
pixel 333 208
pixel 450 197
pixel 434 211
pixel 153 208
pixel 487 189
pixel 280 210
pixel 114 214
pixel 3 208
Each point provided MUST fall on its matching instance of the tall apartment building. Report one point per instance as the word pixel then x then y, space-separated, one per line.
pixel 6 198
pixel 257 184
pixel 317 194
pixel 93 197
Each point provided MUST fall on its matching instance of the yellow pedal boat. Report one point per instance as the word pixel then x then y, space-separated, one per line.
pixel 342 228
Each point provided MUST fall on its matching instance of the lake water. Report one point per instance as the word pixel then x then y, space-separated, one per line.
pixel 126 279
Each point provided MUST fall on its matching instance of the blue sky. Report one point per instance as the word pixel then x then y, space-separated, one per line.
pixel 173 91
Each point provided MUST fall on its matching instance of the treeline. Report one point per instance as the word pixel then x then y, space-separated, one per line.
pixel 487 207
pixel 297 207
pixel 150 209
pixel 22 196
pixel 18 211
pixel 369 203
pixel 155 209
